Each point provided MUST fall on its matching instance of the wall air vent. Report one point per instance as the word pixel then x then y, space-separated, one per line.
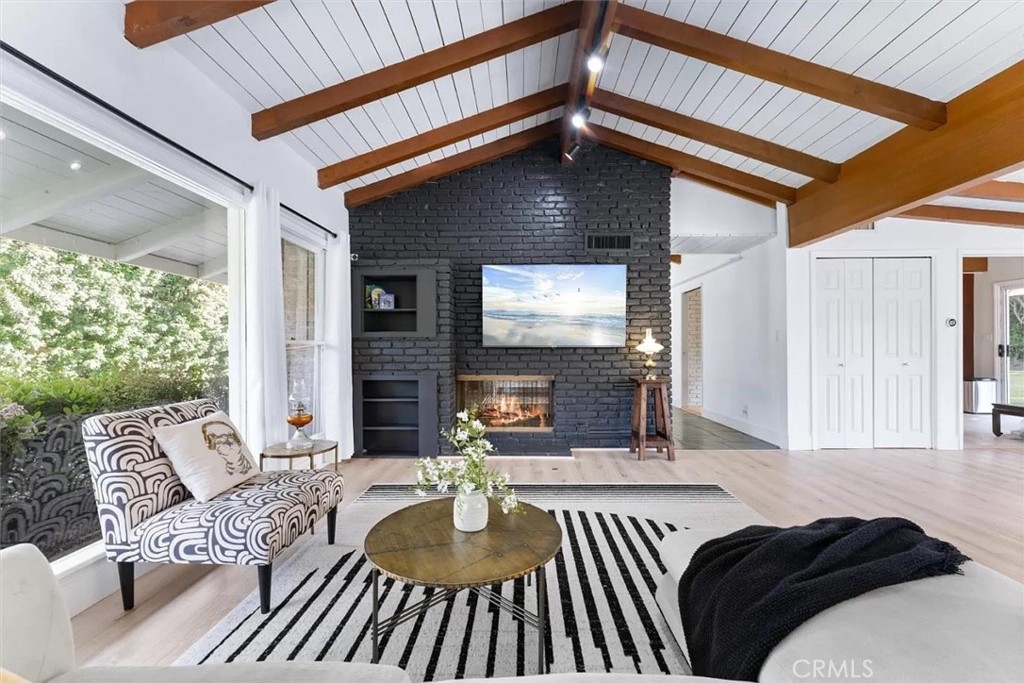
pixel 609 242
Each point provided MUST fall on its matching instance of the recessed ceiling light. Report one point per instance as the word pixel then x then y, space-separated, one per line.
pixel 76 165
pixel 578 119
pixel 595 64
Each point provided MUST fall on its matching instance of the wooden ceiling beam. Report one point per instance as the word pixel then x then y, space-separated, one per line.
pixel 594 34
pixel 717 136
pixel 441 137
pixel 742 194
pixel 778 67
pixel 415 71
pixel 691 165
pixel 1002 190
pixel 148 22
pixel 911 167
pixel 453 164
pixel 959 214
pixel 975 264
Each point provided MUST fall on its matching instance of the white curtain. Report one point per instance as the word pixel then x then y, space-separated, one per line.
pixel 337 355
pixel 265 373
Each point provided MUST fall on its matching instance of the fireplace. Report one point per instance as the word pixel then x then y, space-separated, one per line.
pixel 510 403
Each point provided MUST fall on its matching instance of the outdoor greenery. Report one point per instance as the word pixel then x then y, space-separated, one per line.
pixel 81 335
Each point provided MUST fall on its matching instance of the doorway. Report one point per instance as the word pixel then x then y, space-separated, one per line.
pixel 693 348
pixel 1009 333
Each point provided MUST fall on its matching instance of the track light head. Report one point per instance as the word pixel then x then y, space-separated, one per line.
pixel 595 63
pixel 580 118
pixel 573 150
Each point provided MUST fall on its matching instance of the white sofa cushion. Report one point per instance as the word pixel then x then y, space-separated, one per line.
pixel 947 628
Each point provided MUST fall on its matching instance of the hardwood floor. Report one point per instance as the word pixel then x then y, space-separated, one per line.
pixel 973 498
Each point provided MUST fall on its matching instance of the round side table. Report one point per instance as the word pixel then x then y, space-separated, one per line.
pixel 281 450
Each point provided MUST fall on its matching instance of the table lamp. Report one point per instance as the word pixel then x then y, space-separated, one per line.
pixel 649 346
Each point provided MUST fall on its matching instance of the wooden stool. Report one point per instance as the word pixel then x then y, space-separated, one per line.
pixel 662 436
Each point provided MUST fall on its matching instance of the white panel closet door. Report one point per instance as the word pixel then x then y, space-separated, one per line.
pixel 843 353
pixel 902 350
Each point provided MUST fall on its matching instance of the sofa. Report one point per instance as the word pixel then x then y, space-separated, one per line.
pixel 36 643
pixel 944 629
pixel 147 515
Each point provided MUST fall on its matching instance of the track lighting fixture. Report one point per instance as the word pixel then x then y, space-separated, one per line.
pixel 573 150
pixel 580 117
pixel 595 63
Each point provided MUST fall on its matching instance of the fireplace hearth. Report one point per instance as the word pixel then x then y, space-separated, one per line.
pixel 510 403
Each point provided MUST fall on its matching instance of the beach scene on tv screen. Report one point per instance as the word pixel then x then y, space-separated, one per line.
pixel 554 305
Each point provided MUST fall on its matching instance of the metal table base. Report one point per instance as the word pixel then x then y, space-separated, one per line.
pixel 381 627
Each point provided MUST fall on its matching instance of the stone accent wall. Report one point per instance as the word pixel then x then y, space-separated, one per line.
pixel 694 349
pixel 527 208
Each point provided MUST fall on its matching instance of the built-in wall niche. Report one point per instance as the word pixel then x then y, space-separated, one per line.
pixel 394 302
pixel 510 403
pixel 396 415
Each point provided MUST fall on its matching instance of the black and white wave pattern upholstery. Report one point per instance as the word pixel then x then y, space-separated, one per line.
pixel 147 514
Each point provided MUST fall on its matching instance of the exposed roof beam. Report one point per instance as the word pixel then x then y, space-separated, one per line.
pixel 995 189
pixel 778 67
pixel 959 214
pixel 56 239
pixel 148 22
pixel 57 199
pixel 167 235
pixel 975 264
pixel 675 258
pixel 416 70
pixel 212 268
pixel 717 136
pixel 595 31
pixel 742 194
pixel 691 165
pixel 452 164
pixel 441 137
pixel 981 140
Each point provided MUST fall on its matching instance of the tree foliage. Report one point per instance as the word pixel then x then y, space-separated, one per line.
pixel 87 332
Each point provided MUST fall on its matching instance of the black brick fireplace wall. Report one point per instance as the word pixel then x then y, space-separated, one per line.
pixel 527 208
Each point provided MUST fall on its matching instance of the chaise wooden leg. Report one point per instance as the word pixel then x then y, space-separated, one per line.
pixel 332 524
pixel 126 576
pixel 263 573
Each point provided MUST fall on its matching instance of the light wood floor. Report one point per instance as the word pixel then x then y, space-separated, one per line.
pixel 973 498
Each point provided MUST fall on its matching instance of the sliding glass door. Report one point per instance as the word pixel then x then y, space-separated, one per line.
pixel 1010 348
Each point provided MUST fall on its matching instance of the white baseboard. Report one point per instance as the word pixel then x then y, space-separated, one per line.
pixel 86 577
pixel 769 435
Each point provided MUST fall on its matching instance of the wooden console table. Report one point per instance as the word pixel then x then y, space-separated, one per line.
pixel 1000 409
pixel 662 436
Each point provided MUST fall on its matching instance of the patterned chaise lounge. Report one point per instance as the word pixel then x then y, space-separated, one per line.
pixel 147 515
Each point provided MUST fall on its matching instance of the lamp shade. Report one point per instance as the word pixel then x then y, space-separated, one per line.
pixel 649 345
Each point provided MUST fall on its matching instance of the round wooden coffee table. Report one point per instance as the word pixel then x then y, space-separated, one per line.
pixel 420 545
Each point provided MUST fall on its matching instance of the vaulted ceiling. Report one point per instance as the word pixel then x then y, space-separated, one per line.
pixel 776 101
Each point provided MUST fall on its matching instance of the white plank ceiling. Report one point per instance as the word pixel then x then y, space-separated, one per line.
pixel 937 49
pixel 36 163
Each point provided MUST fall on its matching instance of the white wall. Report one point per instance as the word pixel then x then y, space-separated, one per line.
pixel 945 244
pixel 164 90
pixel 744 305
pixel 999 270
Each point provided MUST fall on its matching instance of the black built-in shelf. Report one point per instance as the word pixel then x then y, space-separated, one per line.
pixel 415 311
pixel 396 414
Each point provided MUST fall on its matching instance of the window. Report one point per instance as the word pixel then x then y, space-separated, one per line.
pixel 302 270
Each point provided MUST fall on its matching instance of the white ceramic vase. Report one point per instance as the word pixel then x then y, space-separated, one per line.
pixel 469 512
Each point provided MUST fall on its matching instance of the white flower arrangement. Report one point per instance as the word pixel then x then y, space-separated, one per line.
pixel 469 473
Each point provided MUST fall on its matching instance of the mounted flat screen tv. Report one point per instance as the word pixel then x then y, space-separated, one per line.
pixel 554 306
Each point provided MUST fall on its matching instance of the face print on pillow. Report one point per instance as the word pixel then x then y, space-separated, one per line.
pixel 221 438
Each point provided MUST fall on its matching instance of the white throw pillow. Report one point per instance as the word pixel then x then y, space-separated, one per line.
pixel 208 454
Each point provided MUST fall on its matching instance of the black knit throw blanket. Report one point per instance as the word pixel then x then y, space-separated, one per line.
pixel 743 593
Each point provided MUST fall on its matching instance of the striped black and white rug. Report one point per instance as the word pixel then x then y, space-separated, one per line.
pixel 601 586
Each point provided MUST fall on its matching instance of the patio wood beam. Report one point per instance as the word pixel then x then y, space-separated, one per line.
pixel 596 19
pixel 212 268
pixel 167 235
pixel 68 194
pixel 778 67
pixel 1002 190
pixel 717 136
pixel 450 165
pixel 441 137
pixel 959 214
pixel 409 73
pixel 691 165
pixel 982 140
pixel 148 22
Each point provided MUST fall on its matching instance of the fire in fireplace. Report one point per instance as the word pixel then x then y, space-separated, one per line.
pixel 510 402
